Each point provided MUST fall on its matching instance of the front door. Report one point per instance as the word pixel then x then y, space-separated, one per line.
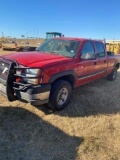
pixel 86 69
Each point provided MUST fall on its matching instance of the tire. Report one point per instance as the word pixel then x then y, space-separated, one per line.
pixel 112 76
pixel 60 95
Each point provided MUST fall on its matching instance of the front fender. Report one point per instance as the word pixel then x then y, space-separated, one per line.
pixel 61 74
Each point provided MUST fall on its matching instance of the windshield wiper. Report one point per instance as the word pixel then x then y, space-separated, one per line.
pixel 54 52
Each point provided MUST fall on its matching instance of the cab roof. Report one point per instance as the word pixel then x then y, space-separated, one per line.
pixel 79 39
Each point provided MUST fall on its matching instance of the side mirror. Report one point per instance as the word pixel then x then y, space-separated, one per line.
pixel 89 56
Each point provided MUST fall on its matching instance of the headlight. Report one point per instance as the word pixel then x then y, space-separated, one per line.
pixel 31 71
pixel 30 75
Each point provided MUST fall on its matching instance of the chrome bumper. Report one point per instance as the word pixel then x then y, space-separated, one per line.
pixel 35 95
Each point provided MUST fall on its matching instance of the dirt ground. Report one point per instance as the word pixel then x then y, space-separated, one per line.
pixel 87 129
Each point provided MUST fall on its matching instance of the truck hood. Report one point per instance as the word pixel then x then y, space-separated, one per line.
pixel 36 59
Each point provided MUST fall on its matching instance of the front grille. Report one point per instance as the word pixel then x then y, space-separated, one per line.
pixel 4 70
pixel 7 78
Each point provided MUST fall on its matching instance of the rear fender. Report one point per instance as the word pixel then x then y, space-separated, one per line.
pixel 117 65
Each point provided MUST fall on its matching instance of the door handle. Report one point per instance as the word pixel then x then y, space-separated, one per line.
pixel 95 63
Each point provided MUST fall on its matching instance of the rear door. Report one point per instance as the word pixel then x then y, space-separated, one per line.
pixel 101 63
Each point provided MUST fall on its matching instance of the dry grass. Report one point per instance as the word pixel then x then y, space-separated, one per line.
pixel 88 129
pixel 20 42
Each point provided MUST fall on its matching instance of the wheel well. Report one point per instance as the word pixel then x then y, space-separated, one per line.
pixel 117 65
pixel 69 78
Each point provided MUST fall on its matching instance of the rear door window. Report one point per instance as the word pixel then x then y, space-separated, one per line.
pixel 100 49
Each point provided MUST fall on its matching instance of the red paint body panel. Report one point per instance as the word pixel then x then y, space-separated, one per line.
pixel 35 59
pixel 53 64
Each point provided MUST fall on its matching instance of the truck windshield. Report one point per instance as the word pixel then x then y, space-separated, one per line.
pixel 67 48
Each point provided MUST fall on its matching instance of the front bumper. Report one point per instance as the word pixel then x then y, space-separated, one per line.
pixel 10 88
pixel 35 95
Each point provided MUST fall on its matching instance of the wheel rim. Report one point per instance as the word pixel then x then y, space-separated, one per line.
pixel 62 96
pixel 114 74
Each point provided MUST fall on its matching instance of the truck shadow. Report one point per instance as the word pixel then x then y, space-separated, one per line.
pixel 25 136
pixel 99 97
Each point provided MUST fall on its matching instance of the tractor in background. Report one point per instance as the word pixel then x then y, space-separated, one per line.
pixel 50 35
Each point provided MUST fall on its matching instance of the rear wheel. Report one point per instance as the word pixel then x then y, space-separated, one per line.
pixel 60 95
pixel 112 76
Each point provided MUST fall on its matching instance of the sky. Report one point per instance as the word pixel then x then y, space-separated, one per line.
pixel 74 18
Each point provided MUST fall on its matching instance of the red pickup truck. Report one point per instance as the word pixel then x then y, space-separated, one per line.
pixel 59 65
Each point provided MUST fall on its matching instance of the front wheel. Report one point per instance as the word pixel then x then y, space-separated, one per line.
pixel 60 95
pixel 112 76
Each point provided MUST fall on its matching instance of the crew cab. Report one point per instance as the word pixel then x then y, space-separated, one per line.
pixel 59 65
